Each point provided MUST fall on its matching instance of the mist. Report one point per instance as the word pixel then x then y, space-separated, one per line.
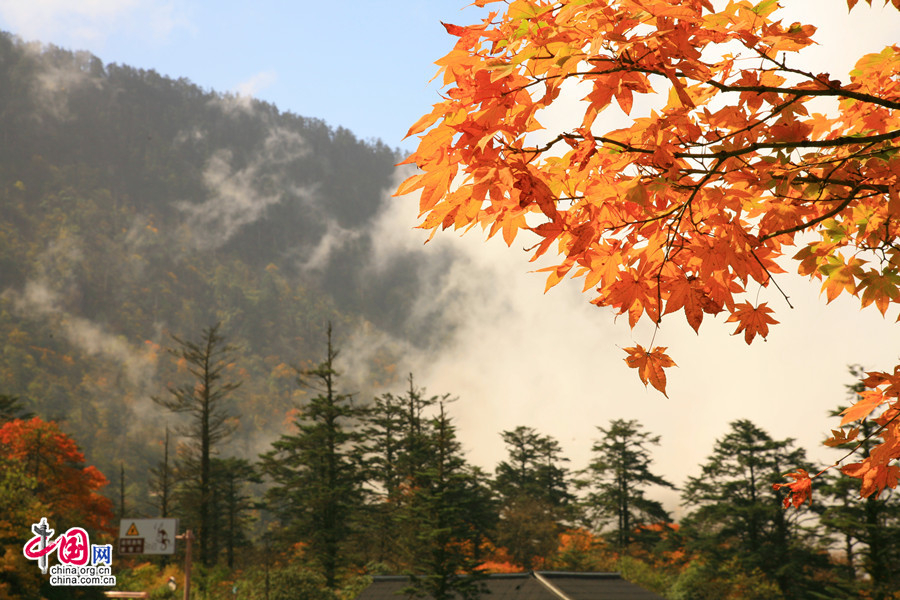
pixel 514 355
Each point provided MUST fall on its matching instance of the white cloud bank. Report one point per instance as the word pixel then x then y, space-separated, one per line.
pixel 82 22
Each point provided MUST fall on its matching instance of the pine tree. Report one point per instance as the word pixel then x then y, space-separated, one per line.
pixel 162 480
pixel 232 503
pixel 203 400
pixel 416 441
pixel 534 494
pixel 12 407
pixel 618 476
pixel 317 471
pixel 392 430
pixel 533 468
pixel 449 509
pixel 738 520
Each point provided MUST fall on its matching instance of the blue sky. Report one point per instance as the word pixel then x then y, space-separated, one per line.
pixel 551 361
pixel 360 64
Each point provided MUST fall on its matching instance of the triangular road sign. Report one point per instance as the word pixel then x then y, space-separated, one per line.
pixel 132 530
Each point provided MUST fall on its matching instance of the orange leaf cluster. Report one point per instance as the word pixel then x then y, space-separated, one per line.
pixel 840 437
pixel 879 469
pixel 696 201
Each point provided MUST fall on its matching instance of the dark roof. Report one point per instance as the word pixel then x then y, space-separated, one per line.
pixel 536 585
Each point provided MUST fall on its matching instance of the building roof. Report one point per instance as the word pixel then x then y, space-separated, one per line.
pixel 535 585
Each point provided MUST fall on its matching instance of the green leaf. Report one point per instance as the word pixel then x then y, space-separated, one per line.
pixel 765 8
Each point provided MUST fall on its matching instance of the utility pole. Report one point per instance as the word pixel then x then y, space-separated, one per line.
pixel 187 536
pixel 121 490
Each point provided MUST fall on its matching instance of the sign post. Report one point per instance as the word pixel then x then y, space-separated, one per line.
pixel 187 537
pixel 147 536
pixel 156 536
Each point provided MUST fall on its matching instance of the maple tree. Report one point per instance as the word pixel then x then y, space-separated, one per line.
pixel 695 204
pixel 54 474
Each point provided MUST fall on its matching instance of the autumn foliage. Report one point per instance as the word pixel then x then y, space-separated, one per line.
pixel 701 157
pixel 62 483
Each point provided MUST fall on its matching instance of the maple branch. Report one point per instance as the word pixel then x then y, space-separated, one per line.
pixel 771 278
pixel 673 231
pixel 826 180
pixel 846 202
pixel 867 438
pixel 832 143
pixel 875 187
pixel 575 136
pixel 838 92
pixel 648 220
pixel 776 111
pixel 789 145
pixel 760 89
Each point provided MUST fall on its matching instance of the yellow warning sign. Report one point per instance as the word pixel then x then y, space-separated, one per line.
pixel 132 530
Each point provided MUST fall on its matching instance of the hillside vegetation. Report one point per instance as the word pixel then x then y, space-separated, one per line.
pixel 134 207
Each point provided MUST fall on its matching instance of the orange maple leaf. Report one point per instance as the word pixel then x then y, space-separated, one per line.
pixel 839 437
pixel 800 489
pixel 868 401
pixel 752 320
pixel 650 365
pixel 686 295
pixel 875 476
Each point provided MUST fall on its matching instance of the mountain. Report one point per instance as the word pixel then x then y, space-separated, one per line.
pixel 134 207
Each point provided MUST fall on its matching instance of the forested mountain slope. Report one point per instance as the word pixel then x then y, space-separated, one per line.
pixel 134 207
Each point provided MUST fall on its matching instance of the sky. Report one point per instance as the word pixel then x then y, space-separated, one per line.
pixel 359 64
pixel 519 357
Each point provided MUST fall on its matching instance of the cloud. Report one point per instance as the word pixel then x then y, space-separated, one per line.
pixel 54 83
pixel 39 301
pixel 43 19
pixel 516 356
pixel 89 21
pixel 257 83
pixel 240 195
pixel 334 238
pixel 243 97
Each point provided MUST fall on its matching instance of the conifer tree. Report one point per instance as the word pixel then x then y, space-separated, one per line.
pixel 12 407
pixel 203 400
pixel 317 470
pixel 397 438
pixel 618 476
pixel 738 520
pixel 162 480
pixel 450 511
pixel 232 503
pixel 534 495
pixel 416 441
pixel 533 468
pixel 392 433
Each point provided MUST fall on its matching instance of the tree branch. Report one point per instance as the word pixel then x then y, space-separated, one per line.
pixel 818 219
